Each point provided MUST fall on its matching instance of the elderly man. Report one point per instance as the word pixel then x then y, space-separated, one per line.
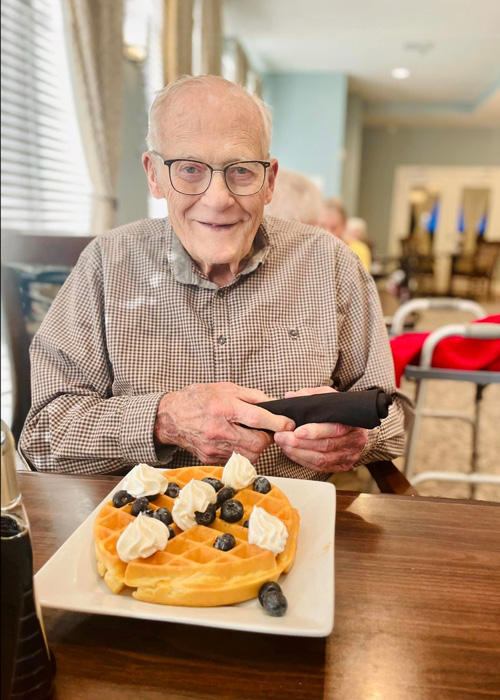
pixel 168 331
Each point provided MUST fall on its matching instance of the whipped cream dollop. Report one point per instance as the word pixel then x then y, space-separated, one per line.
pixel 238 472
pixel 196 495
pixel 144 480
pixel 141 538
pixel 267 531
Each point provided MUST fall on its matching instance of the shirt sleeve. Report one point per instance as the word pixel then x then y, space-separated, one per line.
pixel 75 424
pixel 365 359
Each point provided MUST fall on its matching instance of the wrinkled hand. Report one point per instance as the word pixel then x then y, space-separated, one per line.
pixel 207 420
pixel 322 447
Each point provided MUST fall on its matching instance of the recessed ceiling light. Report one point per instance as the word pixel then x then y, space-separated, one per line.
pixel 400 73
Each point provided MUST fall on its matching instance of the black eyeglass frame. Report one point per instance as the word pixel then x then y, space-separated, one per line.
pixel 168 163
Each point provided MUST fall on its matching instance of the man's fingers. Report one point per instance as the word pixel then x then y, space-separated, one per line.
pixel 320 461
pixel 258 418
pixel 310 391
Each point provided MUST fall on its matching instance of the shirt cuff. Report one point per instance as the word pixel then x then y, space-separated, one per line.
pixel 137 431
pixel 371 443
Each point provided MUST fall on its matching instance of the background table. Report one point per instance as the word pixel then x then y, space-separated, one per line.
pixel 417 613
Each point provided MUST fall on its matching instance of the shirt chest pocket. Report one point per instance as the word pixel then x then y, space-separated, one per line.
pixel 291 357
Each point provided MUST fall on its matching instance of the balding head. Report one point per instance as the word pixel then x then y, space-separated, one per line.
pixel 177 96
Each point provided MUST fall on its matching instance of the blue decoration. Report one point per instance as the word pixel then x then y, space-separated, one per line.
pixel 483 222
pixel 433 219
pixel 461 221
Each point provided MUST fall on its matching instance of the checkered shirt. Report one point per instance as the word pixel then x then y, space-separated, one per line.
pixel 136 319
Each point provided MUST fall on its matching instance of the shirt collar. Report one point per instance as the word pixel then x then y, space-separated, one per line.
pixel 185 271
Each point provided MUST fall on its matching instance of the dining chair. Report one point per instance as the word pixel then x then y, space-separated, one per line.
pixel 390 479
pixel 476 270
pixel 33 270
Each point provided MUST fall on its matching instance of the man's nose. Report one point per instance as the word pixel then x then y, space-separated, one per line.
pixel 218 195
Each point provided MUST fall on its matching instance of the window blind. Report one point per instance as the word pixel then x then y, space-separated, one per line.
pixel 46 187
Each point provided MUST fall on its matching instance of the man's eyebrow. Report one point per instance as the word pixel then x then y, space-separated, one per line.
pixel 227 161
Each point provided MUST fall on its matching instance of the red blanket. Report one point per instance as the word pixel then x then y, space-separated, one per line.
pixel 450 353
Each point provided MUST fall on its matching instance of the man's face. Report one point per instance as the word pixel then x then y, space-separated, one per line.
pixel 210 125
pixel 333 221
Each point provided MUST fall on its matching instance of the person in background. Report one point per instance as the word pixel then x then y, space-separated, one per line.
pixel 168 331
pixel 296 198
pixel 356 238
pixel 334 219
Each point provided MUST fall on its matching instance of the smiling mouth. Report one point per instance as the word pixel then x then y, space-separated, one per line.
pixel 216 226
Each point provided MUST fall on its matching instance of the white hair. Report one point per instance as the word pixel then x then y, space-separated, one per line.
pixel 296 198
pixel 166 94
pixel 356 228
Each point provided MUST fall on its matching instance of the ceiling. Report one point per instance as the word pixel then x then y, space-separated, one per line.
pixel 451 48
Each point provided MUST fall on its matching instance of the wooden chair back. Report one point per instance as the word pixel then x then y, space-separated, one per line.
pixel 33 269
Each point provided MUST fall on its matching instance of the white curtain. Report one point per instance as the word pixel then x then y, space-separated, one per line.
pixel 96 53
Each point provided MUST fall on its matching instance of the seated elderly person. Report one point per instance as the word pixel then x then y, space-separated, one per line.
pixel 169 331
pixel 334 219
pixel 296 198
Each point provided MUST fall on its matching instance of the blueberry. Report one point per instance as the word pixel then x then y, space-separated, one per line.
pixel 164 515
pixel 261 485
pixel 216 483
pixel 207 517
pixel 231 511
pixel 121 498
pixel 153 497
pixel 173 490
pixel 245 524
pixel 225 542
pixel 266 587
pixel 140 505
pixel 274 603
pixel 171 533
pixel 223 495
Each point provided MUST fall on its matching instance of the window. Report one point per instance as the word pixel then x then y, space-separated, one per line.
pixel 45 182
pixel 154 81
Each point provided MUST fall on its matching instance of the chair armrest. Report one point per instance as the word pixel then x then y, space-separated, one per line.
pixel 482 331
pixel 439 303
pixel 389 479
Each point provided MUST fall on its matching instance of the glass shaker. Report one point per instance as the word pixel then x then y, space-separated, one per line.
pixel 28 667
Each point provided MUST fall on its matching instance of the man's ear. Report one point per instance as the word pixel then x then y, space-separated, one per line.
pixel 272 171
pixel 154 181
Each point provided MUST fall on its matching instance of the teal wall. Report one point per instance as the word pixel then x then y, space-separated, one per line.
pixel 309 114
pixel 385 149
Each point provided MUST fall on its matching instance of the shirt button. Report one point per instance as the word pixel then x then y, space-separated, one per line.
pixel 220 293
pixel 293 333
pixel 222 340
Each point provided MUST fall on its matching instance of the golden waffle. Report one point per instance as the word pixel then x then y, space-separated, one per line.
pixel 190 571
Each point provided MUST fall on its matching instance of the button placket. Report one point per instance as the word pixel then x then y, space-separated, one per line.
pixel 220 337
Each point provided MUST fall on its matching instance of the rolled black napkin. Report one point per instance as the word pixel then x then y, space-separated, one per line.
pixel 360 409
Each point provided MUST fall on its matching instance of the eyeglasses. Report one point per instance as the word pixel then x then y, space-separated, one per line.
pixel 193 177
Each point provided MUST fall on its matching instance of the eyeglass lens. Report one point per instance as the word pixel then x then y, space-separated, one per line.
pixel 190 177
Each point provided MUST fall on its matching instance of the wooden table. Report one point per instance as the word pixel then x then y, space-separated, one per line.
pixel 417 613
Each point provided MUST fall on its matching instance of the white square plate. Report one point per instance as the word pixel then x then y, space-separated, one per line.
pixel 69 580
